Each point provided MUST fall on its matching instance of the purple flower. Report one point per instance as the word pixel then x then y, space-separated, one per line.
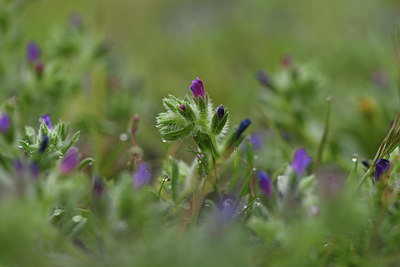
pixel 242 127
pixel 183 107
pixel 257 139
pixel 220 112
pixel 5 122
pixel 39 67
pixel 32 52
pixel 70 161
pixel 264 78
pixel 98 186
pixel 197 88
pixel 35 169
pixel 46 119
pixel 382 166
pixel 18 166
pixel 141 176
pixel 265 183
pixel 300 161
pixel 75 20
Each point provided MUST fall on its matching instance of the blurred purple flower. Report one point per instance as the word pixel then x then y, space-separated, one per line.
pixel 5 122
pixel 197 88
pixel 242 127
pixel 300 161
pixel 35 169
pixel 32 52
pixel 98 186
pixel 258 140
pixel 70 161
pixel 39 67
pixel 220 112
pixel 18 166
pixel 227 207
pixel 141 176
pixel 46 119
pixel 265 183
pixel 264 78
pixel 76 20
pixel 382 166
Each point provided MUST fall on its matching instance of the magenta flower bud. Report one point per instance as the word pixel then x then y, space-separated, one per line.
pixel 382 166
pixel 300 161
pixel 220 112
pixel 183 107
pixel 265 183
pixel 197 88
pixel 32 52
pixel 70 161
pixel 5 122
pixel 141 176
pixel 46 119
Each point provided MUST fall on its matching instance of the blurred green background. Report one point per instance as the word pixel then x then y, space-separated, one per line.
pixel 166 44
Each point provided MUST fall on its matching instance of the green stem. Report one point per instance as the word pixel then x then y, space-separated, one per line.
pixel 367 174
pixel 323 139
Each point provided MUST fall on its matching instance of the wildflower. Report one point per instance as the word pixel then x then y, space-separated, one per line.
pixel 300 161
pixel 70 161
pixel 265 183
pixel 98 186
pixel 141 176
pixel 35 169
pixel 32 52
pixel 5 122
pixel 183 107
pixel 18 166
pixel 220 112
pixel 197 88
pixel 264 78
pixel 257 139
pixel 44 143
pixel 382 166
pixel 242 127
pixel 46 119
pixel 134 124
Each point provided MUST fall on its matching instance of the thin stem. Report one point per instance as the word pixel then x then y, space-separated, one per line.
pixel 324 137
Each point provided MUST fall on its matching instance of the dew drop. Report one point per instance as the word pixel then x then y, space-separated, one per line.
pixel 355 158
pixel 123 137
pixel 19 146
pixel 164 141
pixel 57 212
pixel 77 218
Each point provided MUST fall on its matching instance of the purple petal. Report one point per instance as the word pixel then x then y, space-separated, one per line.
pixel 141 176
pixel 265 183
pixel 70 161
pixel 98 186
pixel 300 161
pixel 32 52
pixel 35 169
pixel 183 107
pixel 382 166
pixel 242 127
pixel 46 119
pixel 197 89
pixel 5 122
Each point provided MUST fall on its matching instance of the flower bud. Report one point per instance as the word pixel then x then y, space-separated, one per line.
pixel 382 166
pixel 44 143
pixel 5 122
pixel 197 88
pixel 220 112
pixel 46 119
pixel 135 124
pixel 32 52
pixel 300 161
pixel 265 183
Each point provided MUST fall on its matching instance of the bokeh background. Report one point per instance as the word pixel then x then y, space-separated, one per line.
pixel 163 45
